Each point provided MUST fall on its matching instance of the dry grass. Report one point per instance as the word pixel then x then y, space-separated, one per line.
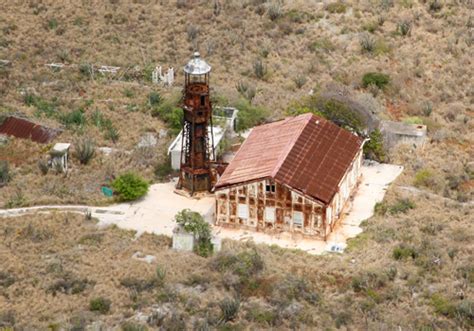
pixel 307 45
pixel 53 265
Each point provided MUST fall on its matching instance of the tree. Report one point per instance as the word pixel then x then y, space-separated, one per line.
pixel 374 148
pixel 194 223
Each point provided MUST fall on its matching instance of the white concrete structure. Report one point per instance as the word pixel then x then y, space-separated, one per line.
pixel 59 156
pixel 224 119
pixel 158 77
pixel 395 133
pixel 174 150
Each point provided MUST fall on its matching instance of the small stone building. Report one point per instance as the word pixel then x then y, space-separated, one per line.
pixel 294 175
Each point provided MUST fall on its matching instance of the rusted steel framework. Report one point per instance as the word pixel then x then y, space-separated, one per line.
pixel 197 150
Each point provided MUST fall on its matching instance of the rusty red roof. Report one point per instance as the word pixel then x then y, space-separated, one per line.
pixel 22 128
pixel 307 153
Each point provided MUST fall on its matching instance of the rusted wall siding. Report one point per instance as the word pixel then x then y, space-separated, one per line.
pixel 256 198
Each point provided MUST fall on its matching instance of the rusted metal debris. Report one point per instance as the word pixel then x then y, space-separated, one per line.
pixel 23 128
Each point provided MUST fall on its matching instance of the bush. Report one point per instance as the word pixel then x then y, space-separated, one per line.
pixel 367 43
pixel 336 7
pixel 249 116
pixel 130 186
pixel 100 304
pixel 246 90
pixel 69 285
pixel 274 10
pixel 403 252
pixel 43 166
pixel 194 223
pixel 154 99
pixel 75 118
pixel 323 44
pixel 245 264
pixel 375 78
pixel 401 206
pixel 84 150
pixel 300 80
pixel 170 113
pixel 424 178
pixel 229 309
pixel 404 27
pixel 260 69
pixel 374 149
pixel 4 173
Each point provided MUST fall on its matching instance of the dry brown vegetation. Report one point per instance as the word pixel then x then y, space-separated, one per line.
pixel 272 53
pixel 411 268
pixel 278 50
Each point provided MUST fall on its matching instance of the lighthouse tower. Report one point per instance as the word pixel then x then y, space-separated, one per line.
pixel 197 148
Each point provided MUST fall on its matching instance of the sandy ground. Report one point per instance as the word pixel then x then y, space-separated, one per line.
pixel 155 212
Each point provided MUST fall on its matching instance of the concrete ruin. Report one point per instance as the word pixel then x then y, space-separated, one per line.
pixel 395 133
pixel 59 157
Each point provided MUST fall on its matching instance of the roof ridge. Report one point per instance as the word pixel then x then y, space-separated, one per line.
pixel 307 117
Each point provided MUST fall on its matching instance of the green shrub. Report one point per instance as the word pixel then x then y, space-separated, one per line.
pixel 261 315
pixel 260 69
pixel 300 80
pixel 424 178
pixel 336 7
pixel 170 113
pixel 194 223
pixel 401 206
pixel 403 252
pixel 131 326
pixel 246 90
pixel 249 115
pixel 112 134
pixel 84 149
pixel 130 186
pixel 154 99
pixel 404 27
pixel 324 44
pixel 375 78
pixel 246 264
pixel 331 109
pixel 100 304
pixel 75 118
pixel 4 173
pixel 229 309
pixel 381 208
pixel 42 106
pixel 374 149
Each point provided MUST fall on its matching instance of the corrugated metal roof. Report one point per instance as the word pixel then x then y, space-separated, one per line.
pixel 307 153
pixel 22 128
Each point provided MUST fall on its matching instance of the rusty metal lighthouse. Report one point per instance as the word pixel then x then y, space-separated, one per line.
pixel 197 149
